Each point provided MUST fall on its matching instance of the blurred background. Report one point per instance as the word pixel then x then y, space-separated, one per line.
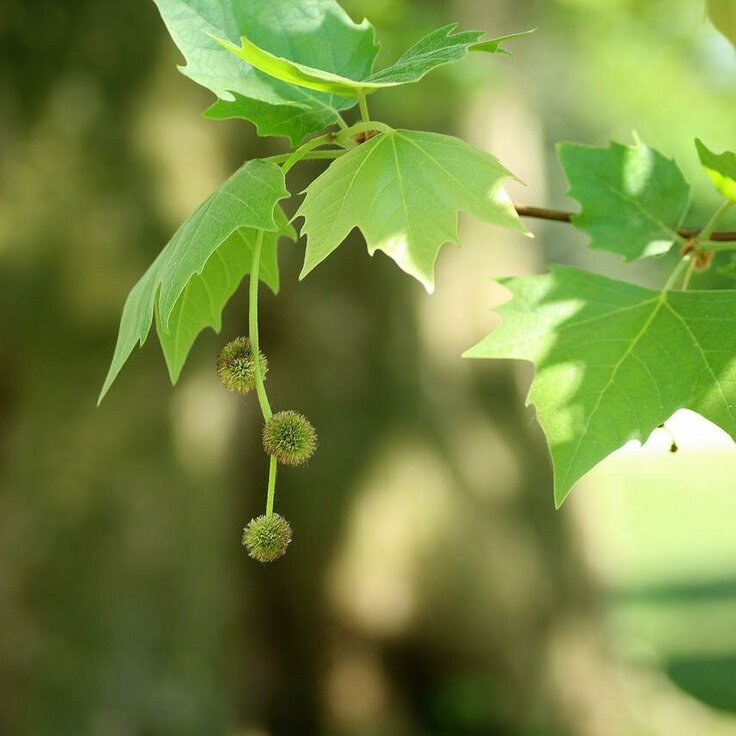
pixel 431 588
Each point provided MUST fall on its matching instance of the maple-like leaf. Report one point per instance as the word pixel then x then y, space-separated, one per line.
pixel 200 267
pixel 439 47
pixel 404 190
pixel 316 32
pixel 614 360
pixel 633 199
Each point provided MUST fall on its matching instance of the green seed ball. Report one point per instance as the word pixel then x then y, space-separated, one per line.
pixel 267 537
pixel 290 437
pixel 236 367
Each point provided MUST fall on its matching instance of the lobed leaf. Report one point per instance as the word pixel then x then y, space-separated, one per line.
pixel 196 273
pixel 404 190
pixel 614 360
pixel 439 47
pixel 720 167
pixel 633 199
pixel 316 32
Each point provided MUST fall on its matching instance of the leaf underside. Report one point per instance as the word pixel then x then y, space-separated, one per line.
pixel 633 199
pixel 193 277
pixel 315 32
pixel 614 360
pixel 436 49
pixel 404 190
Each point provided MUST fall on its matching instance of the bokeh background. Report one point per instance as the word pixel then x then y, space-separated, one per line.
pixel 431 587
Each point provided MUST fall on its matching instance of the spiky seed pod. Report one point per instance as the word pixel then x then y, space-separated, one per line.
pixel 236 367
pixel 290 437
pixel 267 537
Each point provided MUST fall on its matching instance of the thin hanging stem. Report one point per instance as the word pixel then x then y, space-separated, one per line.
pixel 253 327
pixel 258 368
pixel 273 467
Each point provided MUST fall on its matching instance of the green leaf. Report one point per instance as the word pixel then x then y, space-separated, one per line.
pixel 316 32
pixel 633 199
pixel 205 295
pixel 404 189
pixel 720 167
pixel 247 200
pixel 613 361
pixel 722 14
pixel 438 48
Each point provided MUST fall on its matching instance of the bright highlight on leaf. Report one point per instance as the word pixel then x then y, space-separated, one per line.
pixel 404 190
pixel 633 199
pixel 315 32
pixel 613 361
pixel 201 266
pixel 439 47
pixel 720 167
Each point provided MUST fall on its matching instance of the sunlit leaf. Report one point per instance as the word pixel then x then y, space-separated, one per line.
pixel 633 199
pixel 248 199
pixel 439 47
pixel 404 190
pixel 315 32
pixel 613 361
pixel 720 167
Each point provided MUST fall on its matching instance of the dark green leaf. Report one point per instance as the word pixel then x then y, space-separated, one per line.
pixel 248 199
pixel 314 32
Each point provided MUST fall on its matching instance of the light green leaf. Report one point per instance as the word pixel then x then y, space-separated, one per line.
pixel 438 48
pixel 315 32
pixel 404 189
pixel 613 361
pixel 720 167
pixel 633 199
pixel 248 199
pixel 722 14
pixel 205 295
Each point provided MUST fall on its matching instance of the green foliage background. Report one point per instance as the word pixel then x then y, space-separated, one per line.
pixel 431 588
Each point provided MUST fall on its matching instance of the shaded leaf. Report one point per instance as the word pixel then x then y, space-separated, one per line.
pixel 317 32
pixel 248 199
pixel 205 295
pixel 404 190
pixel 438 48
pixel 633 199
pixel 613 361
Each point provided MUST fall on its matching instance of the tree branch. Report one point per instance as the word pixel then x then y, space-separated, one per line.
pixel 542 213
